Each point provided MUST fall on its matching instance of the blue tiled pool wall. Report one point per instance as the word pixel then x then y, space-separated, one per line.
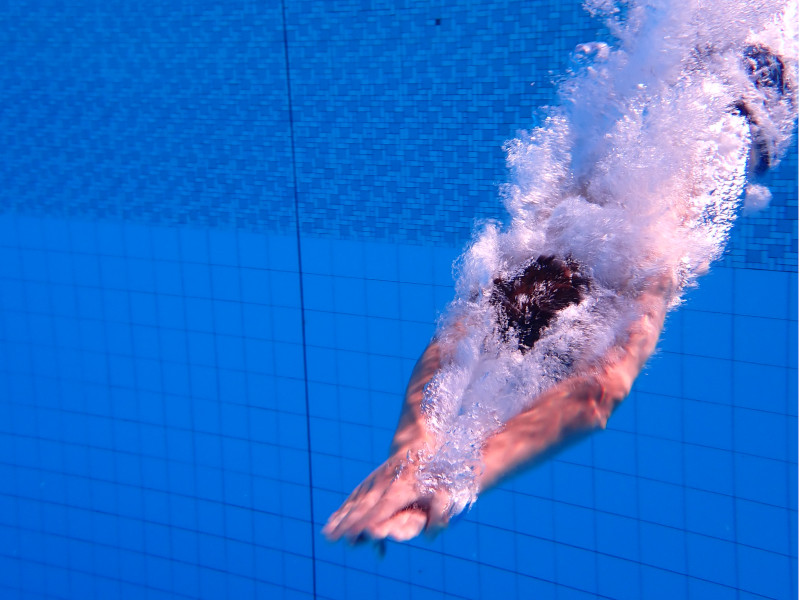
pixel 155 435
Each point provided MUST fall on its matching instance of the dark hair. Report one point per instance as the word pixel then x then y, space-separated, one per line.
pixel 527 303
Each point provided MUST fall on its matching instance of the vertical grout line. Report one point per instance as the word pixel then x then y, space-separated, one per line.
pixel 152 254
pixel 184 324
pixel 302 297
pixel 787 412
pixel 684 480
pixel 218 391
pixel 735 282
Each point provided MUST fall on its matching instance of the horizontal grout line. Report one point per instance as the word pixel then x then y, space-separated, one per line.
pixel 277 410
pixel 417 547
pixel 355 423
pixel 368 353
pixel 177 261
pixel 555 583
pixel 168 524
pixel 369 465
pixel 154 325
pixel 145 554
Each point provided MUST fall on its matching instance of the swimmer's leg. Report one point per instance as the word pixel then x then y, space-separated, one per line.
pixel 767 72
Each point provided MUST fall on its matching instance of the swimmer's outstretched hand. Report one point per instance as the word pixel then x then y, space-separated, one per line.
pixel 388 503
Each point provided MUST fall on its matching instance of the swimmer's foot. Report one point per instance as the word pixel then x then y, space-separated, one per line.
pixel 767 72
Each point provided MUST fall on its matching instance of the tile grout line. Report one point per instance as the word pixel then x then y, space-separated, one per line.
pixel 302 302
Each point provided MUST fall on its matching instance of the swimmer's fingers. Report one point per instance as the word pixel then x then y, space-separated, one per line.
pixel 431 513
pixel 400 495
pixel 329 530
pixel 340 522
pixel 358 496
pixel 439 512
pixel 348 520
pixel 341 513
pixel 401 527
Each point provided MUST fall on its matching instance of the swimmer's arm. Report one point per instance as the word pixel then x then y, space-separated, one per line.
pixel 387 503
pixel 411 429
pixel 577 405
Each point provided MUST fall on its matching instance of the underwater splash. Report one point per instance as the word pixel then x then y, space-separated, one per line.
pixel 639 172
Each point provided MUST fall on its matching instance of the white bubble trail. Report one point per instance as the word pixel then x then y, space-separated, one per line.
pixel 638 171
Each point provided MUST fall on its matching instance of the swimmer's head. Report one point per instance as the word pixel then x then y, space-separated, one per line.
pixel 527 303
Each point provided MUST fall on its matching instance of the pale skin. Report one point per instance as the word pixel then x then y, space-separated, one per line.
pixel 389 502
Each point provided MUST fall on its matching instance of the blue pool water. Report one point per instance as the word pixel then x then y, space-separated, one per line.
pixel 209 311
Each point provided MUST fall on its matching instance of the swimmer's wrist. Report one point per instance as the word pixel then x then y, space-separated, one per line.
pixel 411 439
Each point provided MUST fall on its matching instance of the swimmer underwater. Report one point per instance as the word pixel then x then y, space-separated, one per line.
pixel 617 208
